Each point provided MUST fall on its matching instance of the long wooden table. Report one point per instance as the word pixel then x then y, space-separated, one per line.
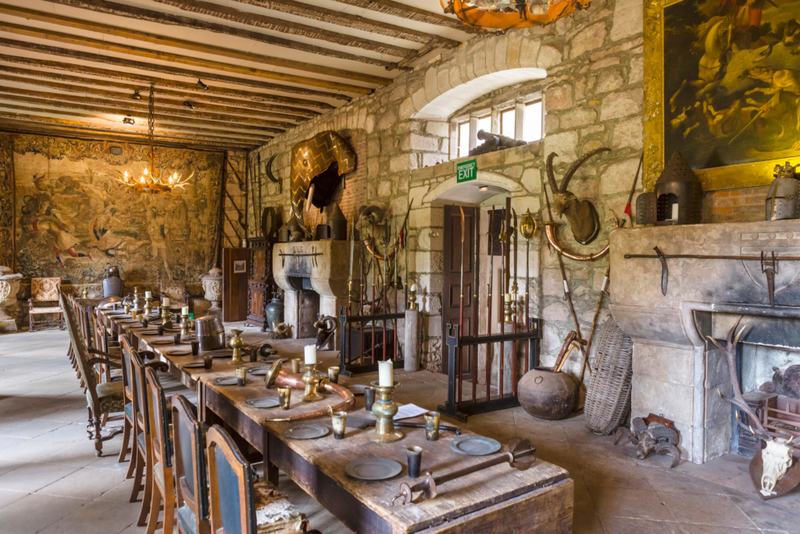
pixel 496 500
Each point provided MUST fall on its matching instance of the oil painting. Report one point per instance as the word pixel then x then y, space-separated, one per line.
pixel 74 218
pixel 729 76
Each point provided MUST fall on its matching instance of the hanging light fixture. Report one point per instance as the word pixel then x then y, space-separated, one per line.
pixel 503 15
pixel 153 179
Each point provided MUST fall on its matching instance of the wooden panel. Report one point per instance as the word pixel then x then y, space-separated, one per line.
pixel 234 285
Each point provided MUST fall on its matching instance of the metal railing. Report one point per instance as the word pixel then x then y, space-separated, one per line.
pixel 461 409
pixel 377 341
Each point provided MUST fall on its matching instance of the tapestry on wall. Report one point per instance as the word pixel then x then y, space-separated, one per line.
pixel 6 200
pixel 74 218
pixel 733 99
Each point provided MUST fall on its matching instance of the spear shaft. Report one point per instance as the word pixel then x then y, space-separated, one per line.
pixel 490 347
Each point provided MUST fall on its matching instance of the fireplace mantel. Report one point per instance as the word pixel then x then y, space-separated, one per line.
pixel 675 373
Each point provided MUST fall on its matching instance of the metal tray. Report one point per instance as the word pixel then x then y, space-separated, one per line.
pixel 179 352
pixel 225 381
pixel 372 468
pixel 306 432
pixel 475 445
pixel 263 402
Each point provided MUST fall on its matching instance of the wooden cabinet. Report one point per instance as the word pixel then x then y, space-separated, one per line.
pixel 260 284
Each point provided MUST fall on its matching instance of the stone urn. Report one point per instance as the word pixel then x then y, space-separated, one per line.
pixel 547 394
pixel 212 285
pixel 9 307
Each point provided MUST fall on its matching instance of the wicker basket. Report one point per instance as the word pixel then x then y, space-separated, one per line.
pixel 608 397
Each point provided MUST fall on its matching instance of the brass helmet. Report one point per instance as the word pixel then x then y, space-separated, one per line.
pixel 783 198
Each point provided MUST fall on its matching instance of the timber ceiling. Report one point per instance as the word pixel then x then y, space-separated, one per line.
pixel 70 67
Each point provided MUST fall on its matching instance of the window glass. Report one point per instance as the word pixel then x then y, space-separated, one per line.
pixel 508 122
pixel 485 124
pixel 463 139
pixel 532 122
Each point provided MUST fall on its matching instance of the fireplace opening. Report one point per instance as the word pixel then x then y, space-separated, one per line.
pixel 770 382
pixel 307 306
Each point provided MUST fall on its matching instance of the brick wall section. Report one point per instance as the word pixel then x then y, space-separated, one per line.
pixel 746 204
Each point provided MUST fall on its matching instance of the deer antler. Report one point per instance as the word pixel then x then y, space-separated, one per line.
pixel 576 165
pixel 738 400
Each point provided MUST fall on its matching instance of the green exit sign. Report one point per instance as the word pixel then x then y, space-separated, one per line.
pixel 466 171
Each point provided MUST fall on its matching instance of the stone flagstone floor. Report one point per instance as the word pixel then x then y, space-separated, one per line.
pixel 52 482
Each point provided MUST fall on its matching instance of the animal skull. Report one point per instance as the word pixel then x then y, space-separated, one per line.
pixel 777 459
pixel 581 214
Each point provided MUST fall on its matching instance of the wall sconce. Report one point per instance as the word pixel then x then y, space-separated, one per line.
pixel 128 120
pixel 136 95
pixel 201 84
pixel 188 104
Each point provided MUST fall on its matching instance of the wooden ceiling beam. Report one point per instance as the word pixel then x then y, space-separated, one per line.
pixel 126 105
pixel 398 9
pixel 98 129
pixel 341 18
pixel 149 15
pixel 277 25
pixel 165 96
pixel 162 82
pixel 205 48
pixel 105 46
pixel 208 132
pixel 220 128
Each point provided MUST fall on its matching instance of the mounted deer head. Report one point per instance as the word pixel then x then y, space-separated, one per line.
pixel 776 457
pixel 581 214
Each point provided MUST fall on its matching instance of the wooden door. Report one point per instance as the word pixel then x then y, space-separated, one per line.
pixel 234 284
pixel 452 279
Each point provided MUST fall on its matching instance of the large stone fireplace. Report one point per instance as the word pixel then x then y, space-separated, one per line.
pixel 312 270
pixel 677 372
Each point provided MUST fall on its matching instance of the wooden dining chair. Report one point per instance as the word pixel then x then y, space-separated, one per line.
pixel 142 442
pixel 127 390
pixel 163 491
pixel 189 447
pixel 102 398
pixel 238 504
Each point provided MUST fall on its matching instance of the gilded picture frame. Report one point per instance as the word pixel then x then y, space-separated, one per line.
pixel 660 114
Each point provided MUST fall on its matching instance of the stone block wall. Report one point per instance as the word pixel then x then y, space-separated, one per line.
pixel 592 97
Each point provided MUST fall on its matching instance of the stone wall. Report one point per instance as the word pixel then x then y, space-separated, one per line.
pixel 592 97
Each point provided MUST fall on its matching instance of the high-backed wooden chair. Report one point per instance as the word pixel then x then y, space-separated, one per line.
pixel 102 399
pixel 163 491
pixel 127 390
pixel 238 504
pixel 45 291
pixel 189 447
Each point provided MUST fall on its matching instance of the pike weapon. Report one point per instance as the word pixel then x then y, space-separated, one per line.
pixel 490 348
pixel 461 303
pixel 476 307
pixel 633 190
pixel 352 252
pixel 403 239
pixel 515 286
pixel 567 293
pixel 587 349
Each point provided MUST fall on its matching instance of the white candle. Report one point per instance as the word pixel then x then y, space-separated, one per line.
pixel 385 369
pixel 413 287
pixel 165 302
pixel 508 297
pixel 185 310
pixel 311 355
pixel 148 294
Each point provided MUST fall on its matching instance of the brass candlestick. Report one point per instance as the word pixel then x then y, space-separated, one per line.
pixel 185 325
pixel 148 305
pixel 135 298
pixel 164 313
pixel 85 293
pixel 412 299
pixel 384 409
pixel 236 343
pixel 310 380
pixel 507 312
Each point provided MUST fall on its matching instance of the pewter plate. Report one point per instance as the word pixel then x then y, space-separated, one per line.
pixel 263 402
pixel 193 365
pixel 162 342
pixel 129 321
pixel 475 445
pixel 258 371
pixel 180 353
pixel 372 468
pixel 306 432
pixel 225 381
